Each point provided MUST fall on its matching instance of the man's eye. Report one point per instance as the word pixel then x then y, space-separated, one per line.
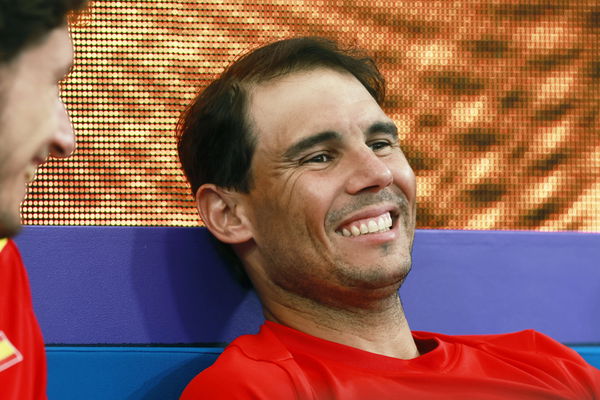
pixel 319 158
pixel 379 145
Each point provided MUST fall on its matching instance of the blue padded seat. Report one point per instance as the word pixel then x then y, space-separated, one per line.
pixel 149 373
pixel 590 353
pixel 124 373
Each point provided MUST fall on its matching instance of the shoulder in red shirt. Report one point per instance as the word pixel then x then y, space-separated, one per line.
pixel 280 362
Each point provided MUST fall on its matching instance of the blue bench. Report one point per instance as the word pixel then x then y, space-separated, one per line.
pixel 126 372
pixel 135 313
pixel 142 373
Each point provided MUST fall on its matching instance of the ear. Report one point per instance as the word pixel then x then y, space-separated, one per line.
pixel 223 216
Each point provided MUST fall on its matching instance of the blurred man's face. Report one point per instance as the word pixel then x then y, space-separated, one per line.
pixel 34 123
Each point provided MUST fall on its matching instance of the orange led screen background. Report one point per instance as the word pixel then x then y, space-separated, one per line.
pixel 497 104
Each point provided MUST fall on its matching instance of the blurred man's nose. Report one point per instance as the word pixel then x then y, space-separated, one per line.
pixel 63 139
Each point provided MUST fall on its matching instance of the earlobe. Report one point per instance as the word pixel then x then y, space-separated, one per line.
pixel 222 215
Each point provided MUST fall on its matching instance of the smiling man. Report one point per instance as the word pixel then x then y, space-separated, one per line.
pixel 35 54
pixel 297 169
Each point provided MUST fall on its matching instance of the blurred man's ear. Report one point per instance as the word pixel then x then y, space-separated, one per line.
pixel 222 215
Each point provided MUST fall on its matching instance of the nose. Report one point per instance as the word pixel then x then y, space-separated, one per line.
pixel 369 172
pixel 62 144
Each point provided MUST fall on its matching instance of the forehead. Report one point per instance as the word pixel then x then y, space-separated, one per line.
pixel 303 103
pixel 33 75
pixel 51 57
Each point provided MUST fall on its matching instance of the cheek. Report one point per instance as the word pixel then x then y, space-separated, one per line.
pixel 17 149
pixel 405 179
pixel 44 118
pixel 32 105
pixel 14 190
pixel 314 192
pixel 315 206
pixel 411 184
pixel 297 205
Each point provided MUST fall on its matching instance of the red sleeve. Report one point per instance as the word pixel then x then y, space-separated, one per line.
pixel 236 376
pixel 23 367
pixel 561 362
pixel 574 366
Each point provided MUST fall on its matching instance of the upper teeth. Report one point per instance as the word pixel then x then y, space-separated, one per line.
pixel 380 224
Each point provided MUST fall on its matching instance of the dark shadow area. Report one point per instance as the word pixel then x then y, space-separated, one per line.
pixel 184 289
pixel 171 383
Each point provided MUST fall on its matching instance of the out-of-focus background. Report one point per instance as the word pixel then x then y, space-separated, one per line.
pixel 497 103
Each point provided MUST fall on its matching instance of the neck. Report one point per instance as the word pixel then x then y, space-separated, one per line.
pixel 381 328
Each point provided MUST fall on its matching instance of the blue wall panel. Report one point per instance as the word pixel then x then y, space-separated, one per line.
pixel 113 285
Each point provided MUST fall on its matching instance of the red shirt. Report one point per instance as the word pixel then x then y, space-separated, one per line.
pixel 22 354
pixel 283 363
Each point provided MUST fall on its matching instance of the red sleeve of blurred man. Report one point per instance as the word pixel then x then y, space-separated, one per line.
pixel 22 355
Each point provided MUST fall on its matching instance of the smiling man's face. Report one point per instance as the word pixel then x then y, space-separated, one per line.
pixel 33 120
pixel 332 206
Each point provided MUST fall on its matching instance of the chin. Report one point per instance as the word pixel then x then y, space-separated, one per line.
pixel 377 276
pixel 10 224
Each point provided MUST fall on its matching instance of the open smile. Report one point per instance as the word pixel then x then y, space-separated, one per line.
pixel 366 226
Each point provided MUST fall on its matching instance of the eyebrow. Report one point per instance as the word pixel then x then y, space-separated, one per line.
pixel 310 141
pixel 383 127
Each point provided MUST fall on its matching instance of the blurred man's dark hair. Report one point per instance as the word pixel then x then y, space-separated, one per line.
pixel 24 22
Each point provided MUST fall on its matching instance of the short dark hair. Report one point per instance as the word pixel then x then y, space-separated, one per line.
pixel 215 142
pixel 24 22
